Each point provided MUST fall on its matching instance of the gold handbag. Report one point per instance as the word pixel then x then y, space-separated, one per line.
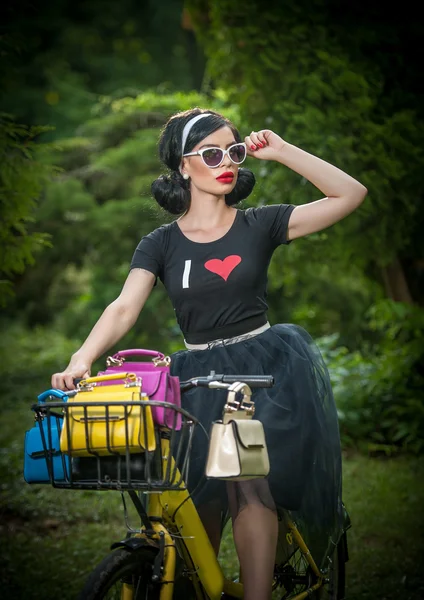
pixel 104 429
pixel 237 447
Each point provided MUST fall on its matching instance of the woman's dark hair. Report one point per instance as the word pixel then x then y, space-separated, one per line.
pixel 172 191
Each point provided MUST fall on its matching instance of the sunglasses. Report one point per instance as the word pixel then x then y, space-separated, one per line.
pixel 213 157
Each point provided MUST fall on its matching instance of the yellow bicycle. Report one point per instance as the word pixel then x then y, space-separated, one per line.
pixel 170 556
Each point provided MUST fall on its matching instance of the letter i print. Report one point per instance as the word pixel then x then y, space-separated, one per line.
pixel 186 274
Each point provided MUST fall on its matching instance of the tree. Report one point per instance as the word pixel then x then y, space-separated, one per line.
pixel 58 58
pixel 315 72
pixel 22 178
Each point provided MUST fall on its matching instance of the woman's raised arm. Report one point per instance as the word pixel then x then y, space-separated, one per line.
pixel 343 193
pixel 114 323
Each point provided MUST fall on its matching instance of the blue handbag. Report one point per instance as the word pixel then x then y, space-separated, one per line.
pixel 43 461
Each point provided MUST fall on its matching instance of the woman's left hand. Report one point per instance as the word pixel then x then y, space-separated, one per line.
pixel 264 144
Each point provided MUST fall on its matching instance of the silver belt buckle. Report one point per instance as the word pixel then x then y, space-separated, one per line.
pixel 215 343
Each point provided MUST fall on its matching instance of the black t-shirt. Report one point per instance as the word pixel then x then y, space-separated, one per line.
pixel 218 289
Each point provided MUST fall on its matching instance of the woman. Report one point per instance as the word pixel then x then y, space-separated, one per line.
pixel 213 261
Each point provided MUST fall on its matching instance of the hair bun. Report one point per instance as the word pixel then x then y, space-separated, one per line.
pixel 244 186
pixel 171 192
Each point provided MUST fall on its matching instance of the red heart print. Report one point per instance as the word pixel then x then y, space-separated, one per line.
pixel 225 267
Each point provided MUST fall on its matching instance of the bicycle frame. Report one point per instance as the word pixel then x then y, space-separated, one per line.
pixel 175 510
pixel 171 522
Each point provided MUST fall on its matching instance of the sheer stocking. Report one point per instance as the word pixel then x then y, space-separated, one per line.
pixel 255 530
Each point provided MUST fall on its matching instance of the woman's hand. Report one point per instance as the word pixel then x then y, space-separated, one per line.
pixel 116 320
pixel 77 368
pixel 264 144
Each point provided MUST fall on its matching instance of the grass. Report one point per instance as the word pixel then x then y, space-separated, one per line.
pixel 51 538
pixel 385 499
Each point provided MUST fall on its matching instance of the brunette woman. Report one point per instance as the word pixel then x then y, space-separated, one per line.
pixel 213 261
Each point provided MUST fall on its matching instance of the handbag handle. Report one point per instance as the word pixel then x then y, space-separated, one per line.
pixel 131 377
pixel 138 352
pixel 158 359
pixel 53 392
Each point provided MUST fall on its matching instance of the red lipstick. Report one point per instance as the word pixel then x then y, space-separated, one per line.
pixel 226 177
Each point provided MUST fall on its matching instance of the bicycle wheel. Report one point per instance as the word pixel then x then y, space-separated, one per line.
pixel 132 568
pixel 296 576
pixel 334 588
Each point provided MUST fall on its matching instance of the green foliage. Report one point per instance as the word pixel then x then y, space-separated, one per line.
pixel 28 358
pixel 379 391
pixel 324 297
pixel 112 171
pixel 56 59
pixel 22 178
pixel 95 212
pixel 72 153
pixel 280 69
pixel 299 70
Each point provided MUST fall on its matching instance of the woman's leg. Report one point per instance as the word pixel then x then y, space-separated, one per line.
pixel 255 530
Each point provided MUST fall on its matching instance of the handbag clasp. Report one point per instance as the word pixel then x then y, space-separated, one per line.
pixel 114 362
pixel 233 405
pixel 162 362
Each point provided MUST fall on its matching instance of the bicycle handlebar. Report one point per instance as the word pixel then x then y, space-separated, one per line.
pixel 215 381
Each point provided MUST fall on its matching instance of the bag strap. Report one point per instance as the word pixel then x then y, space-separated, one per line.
pixel 126 377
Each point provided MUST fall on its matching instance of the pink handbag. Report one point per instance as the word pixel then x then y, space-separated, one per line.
pixel 157 382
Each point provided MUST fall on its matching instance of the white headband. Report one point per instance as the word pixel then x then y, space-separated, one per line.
pixel 188 126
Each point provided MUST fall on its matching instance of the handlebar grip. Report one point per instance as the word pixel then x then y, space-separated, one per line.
pixel 253 381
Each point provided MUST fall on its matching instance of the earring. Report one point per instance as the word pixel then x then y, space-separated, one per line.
pixel 186 176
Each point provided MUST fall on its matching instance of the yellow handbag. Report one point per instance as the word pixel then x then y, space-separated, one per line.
pixel 237 447
pixel 102 429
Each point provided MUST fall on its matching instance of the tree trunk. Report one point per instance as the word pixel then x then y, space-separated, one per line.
pixel 395 282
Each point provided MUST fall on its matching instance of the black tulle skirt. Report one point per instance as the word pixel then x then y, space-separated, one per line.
pixel 300 422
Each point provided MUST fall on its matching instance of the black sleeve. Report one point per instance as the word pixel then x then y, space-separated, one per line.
pixel 149 253
pixel 274 218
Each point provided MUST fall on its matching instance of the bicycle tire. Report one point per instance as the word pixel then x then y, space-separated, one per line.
pixel 335 588
pixel 122 566
pixel 296 576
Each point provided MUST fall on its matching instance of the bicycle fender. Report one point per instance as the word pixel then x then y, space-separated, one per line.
pixel 134 543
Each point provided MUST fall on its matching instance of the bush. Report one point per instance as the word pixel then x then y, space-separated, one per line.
pixel 22 178
pixel 28 358
pixel 379 390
